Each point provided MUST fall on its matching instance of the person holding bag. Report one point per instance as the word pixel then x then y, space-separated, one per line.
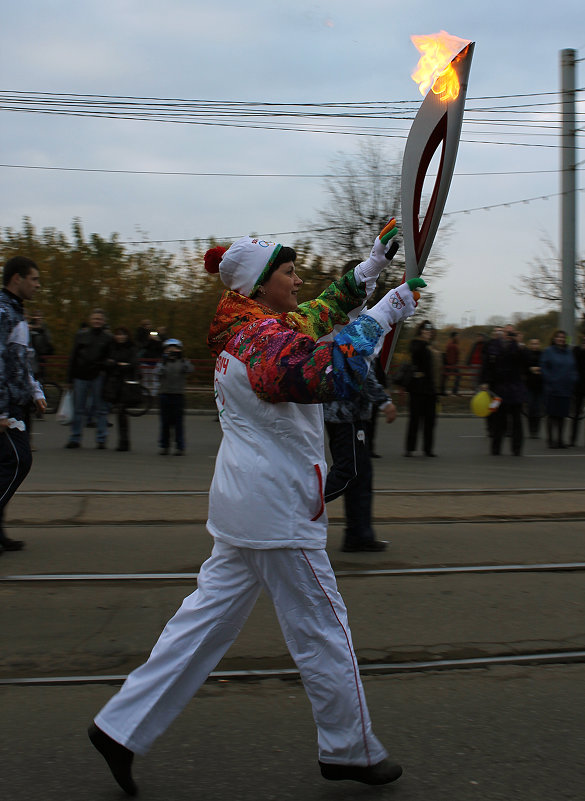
pixel 121 366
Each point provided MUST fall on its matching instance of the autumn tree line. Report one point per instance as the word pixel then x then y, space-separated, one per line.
pixel 172 290
pixel 131 283
pixel 175 291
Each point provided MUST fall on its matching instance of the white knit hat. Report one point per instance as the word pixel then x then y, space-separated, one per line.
pixel 245 263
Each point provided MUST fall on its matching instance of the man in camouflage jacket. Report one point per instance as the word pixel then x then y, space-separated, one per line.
pixel 18 387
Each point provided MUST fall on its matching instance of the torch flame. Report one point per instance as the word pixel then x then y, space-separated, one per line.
pixel 434 69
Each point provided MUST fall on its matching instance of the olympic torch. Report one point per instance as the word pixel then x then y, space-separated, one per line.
pixel 442 73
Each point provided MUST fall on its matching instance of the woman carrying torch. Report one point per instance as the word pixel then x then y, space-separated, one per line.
pixel 266 509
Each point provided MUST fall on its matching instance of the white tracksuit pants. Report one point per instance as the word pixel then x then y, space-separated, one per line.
pixel 313 619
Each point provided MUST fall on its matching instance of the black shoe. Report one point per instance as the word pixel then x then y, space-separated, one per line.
pixel 73 445
pixel 383 772
pixel 90 424
pixel 429 453
pixel 101 446
pixel 6 544
pixel 375 456
pixel 123 448
pixel 371 546
pixel 407 453
pixel 118 757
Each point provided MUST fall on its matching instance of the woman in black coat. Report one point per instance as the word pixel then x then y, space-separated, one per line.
pixel 121 366
pixel 423 391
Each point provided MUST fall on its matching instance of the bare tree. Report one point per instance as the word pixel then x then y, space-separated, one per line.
pixel 364 192
pixel 544 281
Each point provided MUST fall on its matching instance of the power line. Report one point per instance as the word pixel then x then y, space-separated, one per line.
pixel 270 116
pixel 506 204
pixel 250 174
pixel 184 240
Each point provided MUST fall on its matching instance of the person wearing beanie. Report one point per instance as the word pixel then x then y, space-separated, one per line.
pixel 266 505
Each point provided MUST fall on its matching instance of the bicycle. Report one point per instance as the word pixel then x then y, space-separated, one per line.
pixel 143 405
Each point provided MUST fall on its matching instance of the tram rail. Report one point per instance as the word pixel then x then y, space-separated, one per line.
pixel 555 656
pixel 545 567
pixel 378 669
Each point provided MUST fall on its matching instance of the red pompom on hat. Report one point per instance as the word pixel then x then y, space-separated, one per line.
pixel 212 259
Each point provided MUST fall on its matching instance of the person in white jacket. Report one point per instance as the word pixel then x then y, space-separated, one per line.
pixel 266 507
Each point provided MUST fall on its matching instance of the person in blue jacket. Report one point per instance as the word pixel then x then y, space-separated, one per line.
pixel 559 374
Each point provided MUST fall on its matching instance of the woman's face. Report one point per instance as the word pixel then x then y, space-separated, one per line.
pixel 280 291
pixel 560 338
pixel 120 337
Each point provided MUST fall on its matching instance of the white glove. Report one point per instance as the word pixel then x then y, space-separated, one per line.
pixel 396 305
pixel 382 253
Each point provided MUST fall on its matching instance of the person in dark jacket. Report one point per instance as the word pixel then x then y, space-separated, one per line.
pixel 348 424
pixel 422 391
pixel 85 374
pixel 172 374
pixel 503 373
pixel 579 389
pixel 121 366
pixel 534 405
pixel 40 341
pixel 559 375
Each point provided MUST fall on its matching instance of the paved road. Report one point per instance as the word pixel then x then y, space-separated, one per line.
pixel 463 467
pixel 511 733
pixel 505 734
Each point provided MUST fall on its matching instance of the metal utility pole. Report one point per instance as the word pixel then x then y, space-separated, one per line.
pixel 568 192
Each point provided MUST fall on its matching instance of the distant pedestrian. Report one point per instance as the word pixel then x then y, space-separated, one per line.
pixel 121 367
pixel 559 375
pixel 422 408
pixel 85 375
pixel 41 342
pixel 348 425
pixel 579 389
pixel 475 359
pixel 172 375
pixel 451 364
pixel 535 399
pixel 503 372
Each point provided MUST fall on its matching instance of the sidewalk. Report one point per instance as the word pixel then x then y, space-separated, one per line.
pixel 464 478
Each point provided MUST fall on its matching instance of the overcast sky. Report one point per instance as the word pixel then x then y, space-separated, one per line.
pixel 276 51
